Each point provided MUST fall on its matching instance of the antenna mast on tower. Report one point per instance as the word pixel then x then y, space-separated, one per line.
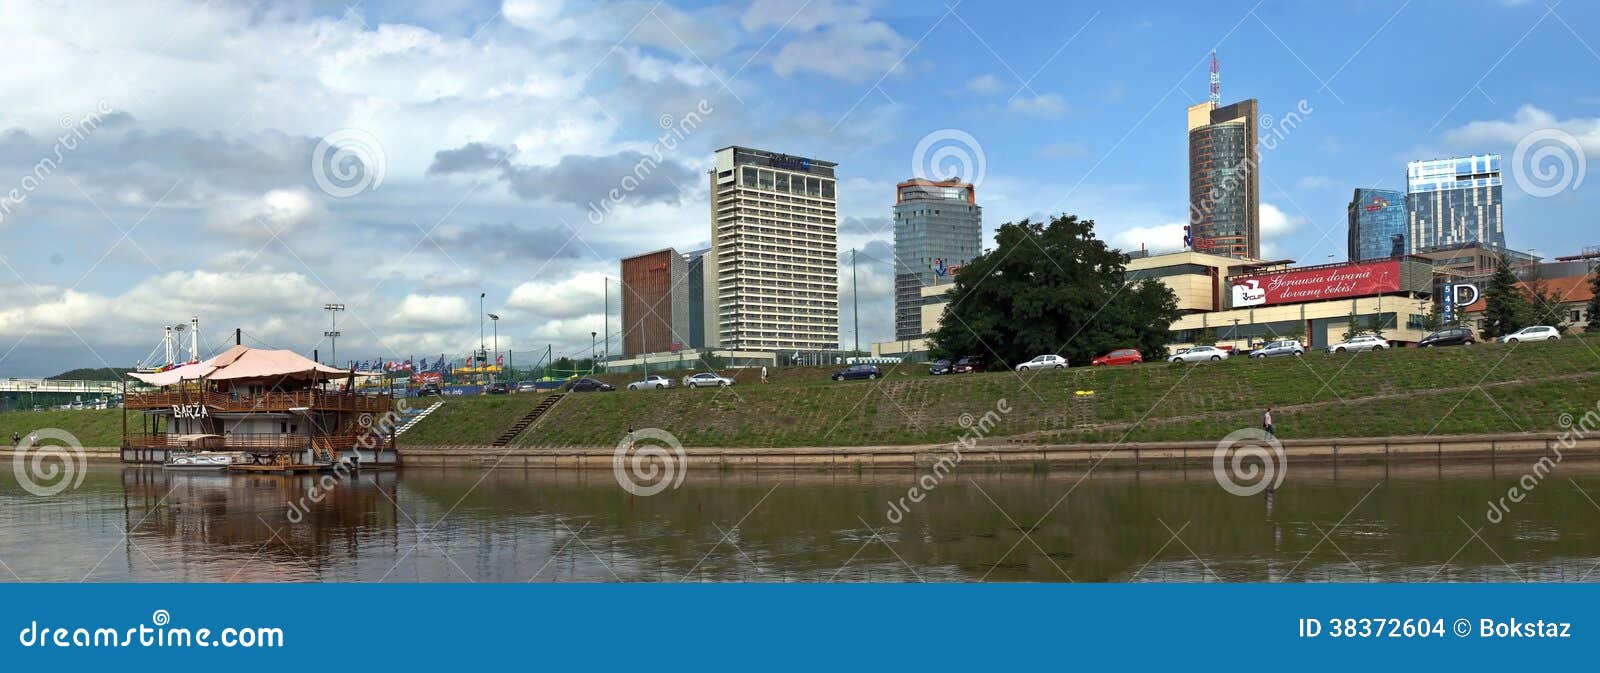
pixel 1216 82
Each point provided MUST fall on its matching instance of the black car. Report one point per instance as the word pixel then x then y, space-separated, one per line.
pixel 939 368
pixel 589 386
pixel 429 389
pixel 857 372
pixel 1450 336
pixel 499 389
pixel 967 365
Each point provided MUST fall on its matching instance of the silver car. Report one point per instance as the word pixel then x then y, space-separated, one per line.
pixel 652 382
pixel 1535 333
pixel 1279 348
pixel 1200 354
pixel 704 379
pixel 1365 342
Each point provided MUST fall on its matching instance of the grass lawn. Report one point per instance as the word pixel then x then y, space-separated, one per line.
pixel 476 420
pixel 92 427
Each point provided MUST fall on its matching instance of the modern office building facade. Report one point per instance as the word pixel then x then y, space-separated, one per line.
pixel 938 228
pixel 695 262
pixel 655 302
pixel 774 252
pixel 1453 202
pixel 1224 182
pixel 1377 220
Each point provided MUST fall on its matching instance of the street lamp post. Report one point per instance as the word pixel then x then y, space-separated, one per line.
pixel 495 320
pixel 333 332
pixel 481 295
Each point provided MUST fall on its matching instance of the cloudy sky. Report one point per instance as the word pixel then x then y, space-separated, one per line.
pixel 249 162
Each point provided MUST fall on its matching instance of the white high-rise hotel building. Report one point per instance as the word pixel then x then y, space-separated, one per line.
pixel 772 276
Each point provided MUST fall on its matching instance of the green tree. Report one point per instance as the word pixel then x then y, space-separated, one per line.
pixel 1594 302
pixel 1207 337
pixel 1353 328
pixel 1052 288
pixel 1544 306
pixel 1505 307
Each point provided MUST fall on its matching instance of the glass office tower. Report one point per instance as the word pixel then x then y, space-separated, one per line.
pixel 1454 201
pixel 1377 224
pixel 938 227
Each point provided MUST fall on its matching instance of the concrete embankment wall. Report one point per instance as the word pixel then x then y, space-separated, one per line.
pixel 1001 453
pixel 1516 447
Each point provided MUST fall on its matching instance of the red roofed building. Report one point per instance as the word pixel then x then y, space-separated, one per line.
pixel 1572 292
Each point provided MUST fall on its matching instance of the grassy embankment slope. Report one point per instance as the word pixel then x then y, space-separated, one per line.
pixel 1480 389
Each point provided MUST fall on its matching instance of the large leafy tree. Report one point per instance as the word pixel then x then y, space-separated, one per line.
pixel 1052 288
pixel 1594 303
pixel 1544 306
pixel 1505 308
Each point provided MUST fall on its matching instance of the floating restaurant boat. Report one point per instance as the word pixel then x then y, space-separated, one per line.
pixel 263 410
pixel 198 460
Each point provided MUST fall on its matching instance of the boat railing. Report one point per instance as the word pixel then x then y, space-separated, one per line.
pixel 240 441
pixel 320 400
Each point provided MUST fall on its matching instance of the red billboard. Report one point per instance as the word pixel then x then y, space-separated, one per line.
pixel 1316 284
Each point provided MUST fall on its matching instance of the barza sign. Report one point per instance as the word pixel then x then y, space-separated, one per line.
pixel 1349 280
pixel 188 411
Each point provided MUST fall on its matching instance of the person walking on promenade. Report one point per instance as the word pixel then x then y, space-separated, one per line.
pixel 763 373
pixel 630 436
pixel 16 439
pixel 1266 424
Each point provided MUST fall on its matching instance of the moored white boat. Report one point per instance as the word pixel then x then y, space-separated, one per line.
pixel 201 460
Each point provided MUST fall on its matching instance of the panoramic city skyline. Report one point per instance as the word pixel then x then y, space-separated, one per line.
pixel 504 142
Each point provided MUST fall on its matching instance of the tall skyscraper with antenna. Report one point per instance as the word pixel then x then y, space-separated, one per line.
pixel 1224 188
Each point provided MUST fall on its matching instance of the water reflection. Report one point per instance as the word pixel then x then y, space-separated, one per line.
pixel 1377 523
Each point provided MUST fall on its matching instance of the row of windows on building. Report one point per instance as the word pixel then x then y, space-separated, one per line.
pixel 777 181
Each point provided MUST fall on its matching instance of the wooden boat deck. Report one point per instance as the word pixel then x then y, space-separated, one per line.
pixel 279 469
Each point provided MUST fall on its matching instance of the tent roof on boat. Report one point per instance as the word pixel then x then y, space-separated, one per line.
pixel 243 363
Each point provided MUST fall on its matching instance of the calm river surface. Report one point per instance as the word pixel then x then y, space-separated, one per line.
pixel 1400 523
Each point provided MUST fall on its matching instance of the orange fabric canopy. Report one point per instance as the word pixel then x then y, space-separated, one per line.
pixel 244 362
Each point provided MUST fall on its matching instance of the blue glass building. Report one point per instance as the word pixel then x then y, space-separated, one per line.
pixel 938 228
pixel 1454 201
pixel 1377 224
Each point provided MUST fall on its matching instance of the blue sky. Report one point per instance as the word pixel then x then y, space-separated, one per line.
pixel 496 124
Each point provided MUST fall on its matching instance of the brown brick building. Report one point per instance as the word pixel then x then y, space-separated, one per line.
pixel 655 303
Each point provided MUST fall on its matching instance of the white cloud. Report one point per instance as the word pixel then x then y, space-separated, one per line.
pixel 1501 135
pixel 984 84
pixel 807 17
pixel 1275 223
pixel 279 212
pixel 1159 238
pixel 854 52
pixel 1042 105
pixel 564 299
pixel 420 310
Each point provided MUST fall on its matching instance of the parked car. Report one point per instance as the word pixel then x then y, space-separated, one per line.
pixel 527 387
pixel 1449 336
pixel 1535 333
pixel 857 372
pixel 1121 356
pixel 429 389
pixel 1044 362
pixel 1365 342
pixel 1279 348
pixel 1200 354
pixel 706 379
pixel 499 389
pixel 589 386
pixel 967 365
pixel 652 382
pixel 939 368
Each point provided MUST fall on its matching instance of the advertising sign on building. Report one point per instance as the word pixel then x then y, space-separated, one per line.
pixel 1334 282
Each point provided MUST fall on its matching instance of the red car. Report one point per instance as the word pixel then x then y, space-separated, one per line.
pixel 1122 356
pixel 967 365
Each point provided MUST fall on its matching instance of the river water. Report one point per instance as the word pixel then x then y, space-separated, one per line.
pixel 1416 522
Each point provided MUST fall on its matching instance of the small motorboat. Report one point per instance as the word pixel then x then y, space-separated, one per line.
pixel 199 460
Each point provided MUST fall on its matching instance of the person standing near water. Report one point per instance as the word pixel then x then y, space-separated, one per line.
pixel 763 373
pixel 1266 423
pixel 16 439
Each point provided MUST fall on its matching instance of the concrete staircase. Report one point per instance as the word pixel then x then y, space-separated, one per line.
pixel 417 418
pixel 527 419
